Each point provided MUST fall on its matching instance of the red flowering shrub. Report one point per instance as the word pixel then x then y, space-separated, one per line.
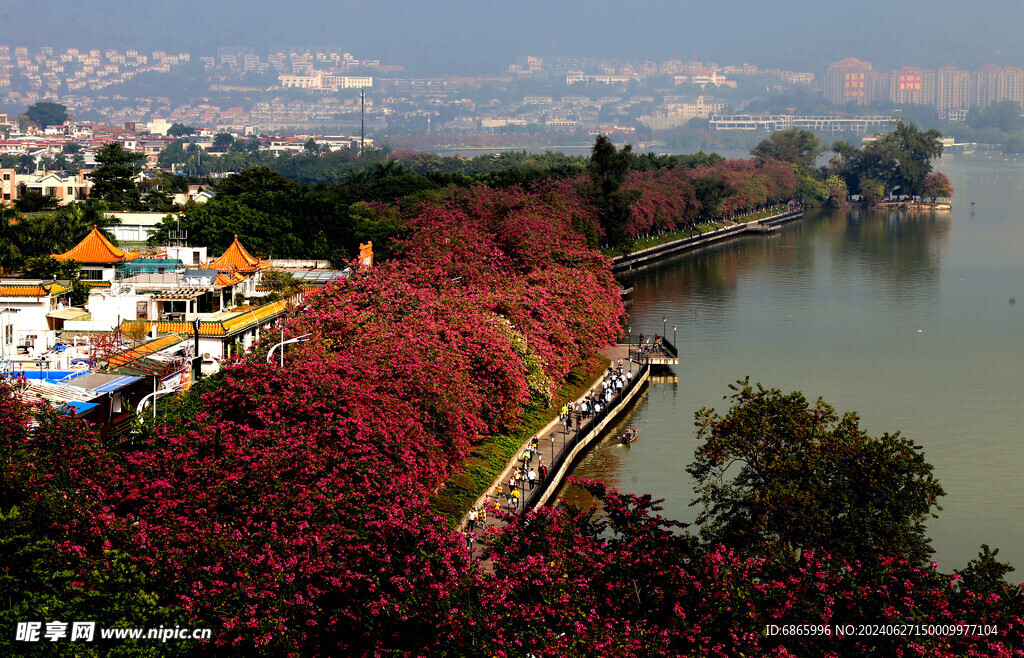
pixel 290 514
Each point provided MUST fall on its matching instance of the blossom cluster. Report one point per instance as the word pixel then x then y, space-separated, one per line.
pixel 291 515
pixel 673 199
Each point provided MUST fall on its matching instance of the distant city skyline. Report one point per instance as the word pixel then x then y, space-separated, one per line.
pixel 463 36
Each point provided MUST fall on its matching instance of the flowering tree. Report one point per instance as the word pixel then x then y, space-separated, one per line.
pixel 287 509
pixel 936 185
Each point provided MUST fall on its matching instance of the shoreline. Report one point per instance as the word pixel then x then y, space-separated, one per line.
pixel 562 460
pixel 651 255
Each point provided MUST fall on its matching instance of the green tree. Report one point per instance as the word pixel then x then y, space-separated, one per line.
pixel 797 146
pixel 312 148
pixel 35 201
pixel 11 258
pixel 26 164
pixel 48 267
pixel 372 223
pixel 45 113
pixel 1003 116
pixel 221 141
pixel 608 168
pixel 180 129
pixel 871 189
pixel 776 475
pixel 113 180
pixel 901 159
pixel 808 187
pixel 173 153
pixel 837 191
pixel 282 284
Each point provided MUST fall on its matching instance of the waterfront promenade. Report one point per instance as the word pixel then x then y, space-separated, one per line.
pixel 559 444
pixel 644 257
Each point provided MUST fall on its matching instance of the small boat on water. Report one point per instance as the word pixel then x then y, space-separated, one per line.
pixel 625 292
pixel 630 436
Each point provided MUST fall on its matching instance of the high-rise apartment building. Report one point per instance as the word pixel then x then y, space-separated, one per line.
pixel 849 80
pixel 952 89
pixel 948 89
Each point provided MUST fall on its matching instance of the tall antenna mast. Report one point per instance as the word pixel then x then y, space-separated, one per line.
pixel 362 119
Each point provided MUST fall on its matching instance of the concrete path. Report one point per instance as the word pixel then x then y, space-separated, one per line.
pixel 549 451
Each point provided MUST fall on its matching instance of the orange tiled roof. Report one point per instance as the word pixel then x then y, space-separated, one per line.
pixel 214 328
pixel 32 290
pixel 96 249
pixel 238 258
pixel 225 280
pixel 145 349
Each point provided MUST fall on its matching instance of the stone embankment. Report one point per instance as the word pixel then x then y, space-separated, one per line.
pixel 645 257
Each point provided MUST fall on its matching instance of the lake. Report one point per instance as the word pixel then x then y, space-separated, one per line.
pixel 914 320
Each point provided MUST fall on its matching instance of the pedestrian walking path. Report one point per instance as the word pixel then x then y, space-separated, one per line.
pixel 548 454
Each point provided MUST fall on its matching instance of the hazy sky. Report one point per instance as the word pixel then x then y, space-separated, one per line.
pixel 467 36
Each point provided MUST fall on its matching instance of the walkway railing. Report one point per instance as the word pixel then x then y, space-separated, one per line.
pixel 638 258
pixel 573 438
pixel 652 354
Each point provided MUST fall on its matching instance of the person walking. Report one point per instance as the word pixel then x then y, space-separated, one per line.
pixel 543 472
pixel 532 476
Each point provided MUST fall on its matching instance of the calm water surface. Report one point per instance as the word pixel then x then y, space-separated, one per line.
pixel 914 320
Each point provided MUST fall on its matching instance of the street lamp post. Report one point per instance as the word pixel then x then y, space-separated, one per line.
pixel 675 342
pixel 664 326
pixel 298 339
pixel 552 448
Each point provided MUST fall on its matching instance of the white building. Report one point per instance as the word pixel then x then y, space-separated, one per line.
pixel 27 325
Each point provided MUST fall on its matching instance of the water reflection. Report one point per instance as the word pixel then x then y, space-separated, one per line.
pixel 900 316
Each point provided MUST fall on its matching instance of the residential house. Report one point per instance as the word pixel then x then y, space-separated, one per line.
pixel 27 323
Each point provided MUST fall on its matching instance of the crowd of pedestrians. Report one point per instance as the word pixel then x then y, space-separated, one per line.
pixel 531 471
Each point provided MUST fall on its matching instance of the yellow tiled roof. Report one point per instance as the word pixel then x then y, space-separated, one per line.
pixel 214 328
pixel 96 249
pixel 236 257
pixel 145 349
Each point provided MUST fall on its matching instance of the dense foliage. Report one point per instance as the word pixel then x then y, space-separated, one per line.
pixel 288 509
pixel 27 238
pixel 776 476
pixel 628 195
pixel 900 160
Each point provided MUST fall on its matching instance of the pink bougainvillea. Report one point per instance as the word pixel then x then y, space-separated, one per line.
pixel 290 514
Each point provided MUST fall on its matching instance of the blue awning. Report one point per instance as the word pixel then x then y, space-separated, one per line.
pixel 82 408
pixel 116 384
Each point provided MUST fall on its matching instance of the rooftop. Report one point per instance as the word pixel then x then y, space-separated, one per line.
pixel 96 248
